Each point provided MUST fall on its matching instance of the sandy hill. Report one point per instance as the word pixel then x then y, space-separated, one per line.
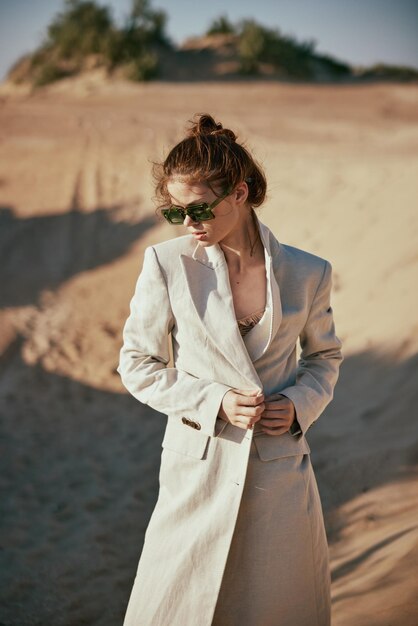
pixel 214 57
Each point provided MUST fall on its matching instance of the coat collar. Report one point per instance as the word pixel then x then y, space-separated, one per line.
pixel 207 277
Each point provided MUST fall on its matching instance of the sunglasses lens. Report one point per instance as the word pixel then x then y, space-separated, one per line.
pixel 199 215
pixel 173 216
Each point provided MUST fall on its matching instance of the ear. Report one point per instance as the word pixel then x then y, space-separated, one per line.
pixel 241 193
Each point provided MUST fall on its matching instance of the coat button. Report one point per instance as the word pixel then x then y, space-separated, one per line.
pixel 184 420
pixel 197 426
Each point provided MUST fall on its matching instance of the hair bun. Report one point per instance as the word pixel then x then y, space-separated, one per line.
pixel 226 132
pixel 206 125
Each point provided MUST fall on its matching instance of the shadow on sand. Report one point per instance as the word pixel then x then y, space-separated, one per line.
pixel 79 471
pixel 42 252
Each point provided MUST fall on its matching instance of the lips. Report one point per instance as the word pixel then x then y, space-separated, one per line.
pixel 200 235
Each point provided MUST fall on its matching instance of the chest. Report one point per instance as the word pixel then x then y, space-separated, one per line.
pixel 249 290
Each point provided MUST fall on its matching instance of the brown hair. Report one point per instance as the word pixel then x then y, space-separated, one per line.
pixel 210 154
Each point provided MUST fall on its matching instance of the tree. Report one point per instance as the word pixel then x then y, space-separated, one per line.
pixel 221 25
pixel 151 24
pixel 81 29
pixel 250 46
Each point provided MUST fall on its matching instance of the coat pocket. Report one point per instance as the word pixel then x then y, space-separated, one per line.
pixel 270 447
pixel 184 439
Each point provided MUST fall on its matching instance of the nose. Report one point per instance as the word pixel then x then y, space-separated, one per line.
pixel 188 221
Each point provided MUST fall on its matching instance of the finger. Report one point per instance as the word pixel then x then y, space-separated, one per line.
pixel 274 423
pixel 249 411
pixel 279 412
pixel 278 431
pixel 273 415
pixel 241 423
pixel 250 400
pixel 279 404
pixel 248 419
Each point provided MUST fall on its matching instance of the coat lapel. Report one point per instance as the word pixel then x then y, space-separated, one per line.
pixel 207 278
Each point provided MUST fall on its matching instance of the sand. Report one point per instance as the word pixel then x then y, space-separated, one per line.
pixel 80 456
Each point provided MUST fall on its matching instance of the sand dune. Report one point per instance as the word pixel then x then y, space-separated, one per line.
pixel 80 456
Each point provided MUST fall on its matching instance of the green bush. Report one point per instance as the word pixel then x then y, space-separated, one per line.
pixel 288 55
pixel 82 29
pixel 133 46
pixel 148 23
pixel 258 44
pixel 338 69
pixel 49 73
pixel 142 68
pixel 251 45
pixel 221 26
pixel 390 72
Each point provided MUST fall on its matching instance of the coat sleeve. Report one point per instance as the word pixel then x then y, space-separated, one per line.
pixel 145 354
pixel 320 359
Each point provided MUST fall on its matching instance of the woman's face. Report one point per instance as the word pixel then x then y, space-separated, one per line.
pixel 227 213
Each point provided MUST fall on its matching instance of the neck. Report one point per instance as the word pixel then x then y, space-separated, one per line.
pixel 243 246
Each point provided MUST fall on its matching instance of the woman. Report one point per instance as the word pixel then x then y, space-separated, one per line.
pixel 237 536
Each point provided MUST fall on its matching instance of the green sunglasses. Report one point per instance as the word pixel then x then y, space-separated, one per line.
pixel 197 212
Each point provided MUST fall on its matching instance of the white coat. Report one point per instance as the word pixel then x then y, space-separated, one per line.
pixel 184 289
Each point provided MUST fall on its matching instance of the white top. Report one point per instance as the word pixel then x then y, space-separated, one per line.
pixel 257 337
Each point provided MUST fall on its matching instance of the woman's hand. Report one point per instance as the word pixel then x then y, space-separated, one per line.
pixel 278 415
pixel 242 407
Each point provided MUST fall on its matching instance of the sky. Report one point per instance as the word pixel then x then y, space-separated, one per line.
pixel 362 32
